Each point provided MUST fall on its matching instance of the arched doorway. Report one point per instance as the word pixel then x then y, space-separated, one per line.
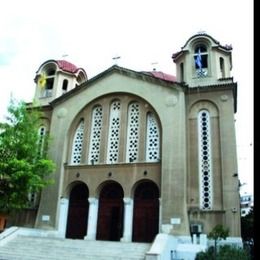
pixel 146 212
pixel 110 213
pixel 78 212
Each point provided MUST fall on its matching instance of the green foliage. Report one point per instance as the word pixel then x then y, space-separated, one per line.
pixel 225 252
pixel 218 233
pixel 208 254
pixel 247 225
pixel 24 166
pixel 247 231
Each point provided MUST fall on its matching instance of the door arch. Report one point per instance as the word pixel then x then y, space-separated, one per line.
pixel 78 212
pixel 110 213
pixel 146 212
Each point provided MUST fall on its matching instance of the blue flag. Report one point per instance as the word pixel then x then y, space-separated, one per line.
pixel 198 60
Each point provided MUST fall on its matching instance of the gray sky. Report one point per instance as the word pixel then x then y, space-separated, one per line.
pixel 141 32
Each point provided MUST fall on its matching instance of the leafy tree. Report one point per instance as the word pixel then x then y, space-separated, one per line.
pixel 24 166
pixel 218 233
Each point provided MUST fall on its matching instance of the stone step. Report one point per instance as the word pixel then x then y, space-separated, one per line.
pixel 80 245
pixel 30 247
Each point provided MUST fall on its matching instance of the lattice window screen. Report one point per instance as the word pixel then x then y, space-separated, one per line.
pixel 41 133
pixel 205 164
pixel 133 132
pixel 96 124
pixel 152 139
pixel 77 144
pixel 114 130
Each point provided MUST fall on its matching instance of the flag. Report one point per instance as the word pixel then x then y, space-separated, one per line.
pixel 42 80
pixel 198 60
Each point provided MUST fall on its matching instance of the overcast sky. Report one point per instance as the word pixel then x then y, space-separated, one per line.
pixel 89 33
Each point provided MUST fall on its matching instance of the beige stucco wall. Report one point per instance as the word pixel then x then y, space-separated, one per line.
pixel 168 103
pixel 176 174
pixel 220 104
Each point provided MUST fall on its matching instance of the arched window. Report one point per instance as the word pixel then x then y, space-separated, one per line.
pixel 152 139
pixel 77 143
pixel 181 72
pixel 95 135
pixel 222 67
pixel 205 160
pixel 113 132
pixel 81 78
pixel 133 132
pixel 64 86
pixel 119 129
pixel 201 60
pixel 46 80
pixel 49 82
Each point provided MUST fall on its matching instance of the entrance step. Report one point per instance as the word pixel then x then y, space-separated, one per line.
pixel 43 248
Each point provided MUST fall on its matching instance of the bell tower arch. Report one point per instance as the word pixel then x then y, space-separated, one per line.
pixel 203 61
pixel 55 78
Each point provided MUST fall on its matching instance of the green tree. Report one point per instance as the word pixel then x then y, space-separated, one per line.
pixel 24 166
pixel 247 231
pixel 218 233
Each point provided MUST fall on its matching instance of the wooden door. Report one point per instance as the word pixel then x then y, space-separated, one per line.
pixel 146 212
pixel 110 215
pixel 78 212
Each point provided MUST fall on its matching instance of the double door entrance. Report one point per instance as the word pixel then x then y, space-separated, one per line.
pixel 110 214
pixel 111 211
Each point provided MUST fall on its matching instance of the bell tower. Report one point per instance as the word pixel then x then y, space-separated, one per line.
pixel 55 78
pixel 203 61
pixel 204 66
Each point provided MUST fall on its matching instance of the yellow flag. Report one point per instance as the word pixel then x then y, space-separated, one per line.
pixel 42 80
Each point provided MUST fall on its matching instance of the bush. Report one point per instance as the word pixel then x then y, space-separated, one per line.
pixel 225 252
pixel 208 254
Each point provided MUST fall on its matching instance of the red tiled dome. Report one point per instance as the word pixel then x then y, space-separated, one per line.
pixel 67 66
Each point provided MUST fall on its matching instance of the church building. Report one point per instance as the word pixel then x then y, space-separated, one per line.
pixel 141 153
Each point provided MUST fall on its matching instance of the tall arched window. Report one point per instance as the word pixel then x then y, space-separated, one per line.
pixel 65 86
pixel 201 60
pixel 222 67
pixel 205 160
pixel 113 132
pixel 152 139
pixel 133 132
pixel 181 72
pixel 95 136
pixel 77 143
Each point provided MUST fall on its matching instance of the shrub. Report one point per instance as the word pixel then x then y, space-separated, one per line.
pixel 225 252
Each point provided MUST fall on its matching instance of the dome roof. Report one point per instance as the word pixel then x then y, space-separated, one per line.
pixel 162 75
pixel 67 66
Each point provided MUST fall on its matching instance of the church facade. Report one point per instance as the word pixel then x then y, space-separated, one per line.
pixel 141 153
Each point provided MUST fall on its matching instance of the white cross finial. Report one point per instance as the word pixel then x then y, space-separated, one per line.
pixel 154 65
